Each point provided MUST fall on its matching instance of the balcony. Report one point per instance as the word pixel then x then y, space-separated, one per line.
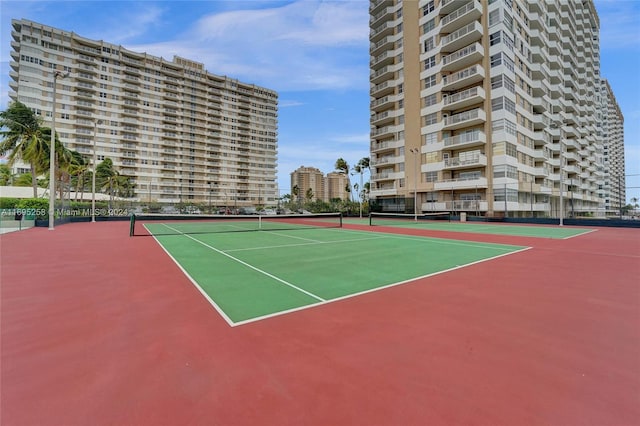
pixel 376 4
pixel 465 119
pixel 461 183
pixel 386 159
pixel 383 103
pixel 382 89
pixel 462 37
pixel 465 140
pixel 386 43
pixel 383 131
pixel 462 78
pixel 387 11
pixel 465 161
pixel 471 11
pixel 462 58
pixel 382 74
pixel 385 29
pixel 383 118
pixel 540 121
pixel 385 58
pixel 385 146
pixel 464 99
pixel 448 6
pixel 387 175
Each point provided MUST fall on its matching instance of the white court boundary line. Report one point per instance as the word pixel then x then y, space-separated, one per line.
pixel 193 281
pixel 322 301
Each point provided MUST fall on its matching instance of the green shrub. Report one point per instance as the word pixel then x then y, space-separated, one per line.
pixel 38 205
pixel 9 203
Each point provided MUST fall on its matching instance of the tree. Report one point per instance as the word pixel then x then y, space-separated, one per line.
pixel 295 191
pixel 64 160
pixel 309 195
pixel 78 168
pixel 5 175
pixel 360 168
pixel 342 167
pixel 23 179
pixel 23 138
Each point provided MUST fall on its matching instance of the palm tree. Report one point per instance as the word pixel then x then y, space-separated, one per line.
pixel 342 167
pixel 295 191
pixel 78 169
pixel 65 158
pixel 23 137
pixel 309 195
pixel 5 175
pixel 359 168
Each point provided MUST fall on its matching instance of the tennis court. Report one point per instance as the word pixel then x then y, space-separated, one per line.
pixel 441 222
pixel 296 263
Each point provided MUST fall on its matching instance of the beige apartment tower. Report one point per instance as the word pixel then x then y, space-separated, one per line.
pixel 325 188
pixel 182 133
pixel 487 107
pixel 308 182
pixel 614 162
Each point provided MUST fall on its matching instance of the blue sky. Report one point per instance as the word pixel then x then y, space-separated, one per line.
pixel 313 52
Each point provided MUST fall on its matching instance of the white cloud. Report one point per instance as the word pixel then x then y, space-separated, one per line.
pixel 305 45
pixel 131 24
pixel 289 103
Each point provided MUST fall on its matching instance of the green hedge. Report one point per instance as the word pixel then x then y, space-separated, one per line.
pixel 9 203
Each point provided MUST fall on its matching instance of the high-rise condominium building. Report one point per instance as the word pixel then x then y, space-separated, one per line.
pixel 613 136
pixel 308 182
pixel 182 133
pixel 336 186
pixel 324 188
pixel 486 107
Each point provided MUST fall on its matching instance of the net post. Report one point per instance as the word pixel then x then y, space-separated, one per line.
pixel 340 219
pixel 132 224
pixel 370 219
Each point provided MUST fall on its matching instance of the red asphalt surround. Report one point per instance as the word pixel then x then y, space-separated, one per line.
pixel 99 328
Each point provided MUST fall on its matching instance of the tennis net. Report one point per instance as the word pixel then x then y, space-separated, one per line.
pixel 176 224
pixel 390 219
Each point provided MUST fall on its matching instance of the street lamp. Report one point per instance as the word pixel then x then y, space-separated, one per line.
pixel 561 178
pixel 210 191
pixel 52 154
pixel 416 153
pixel 93 179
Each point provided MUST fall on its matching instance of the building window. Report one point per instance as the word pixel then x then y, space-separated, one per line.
pixel 428 26
pixel 430 62
pixel 431 100
pixel 428 8
pixel 505 171
pixel 431 138
pixel 495 38
pixel 429 44
pixel 430 81
pixel 431 119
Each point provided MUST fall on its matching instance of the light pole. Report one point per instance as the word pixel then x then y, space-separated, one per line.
pixel 93 178
pixel 561 177
pixel 52 154
pixel 416 153
pixel 210 191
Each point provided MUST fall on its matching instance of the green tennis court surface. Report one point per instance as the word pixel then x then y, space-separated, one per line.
pixel 407 221
pixel 254 275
